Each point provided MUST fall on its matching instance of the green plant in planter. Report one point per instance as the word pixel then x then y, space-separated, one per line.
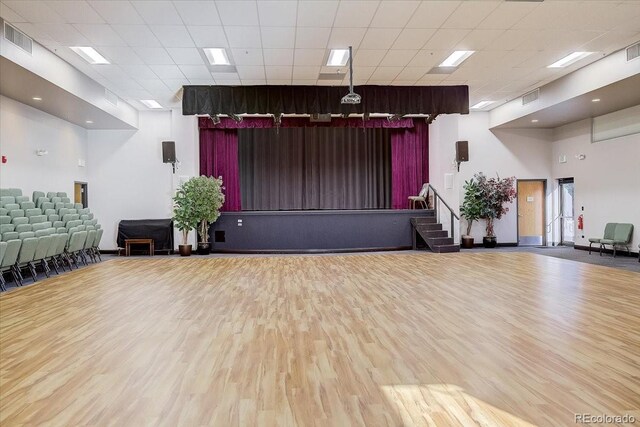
pixel 208 200
pixel 472 204
pixel 184 215
pixel 496 193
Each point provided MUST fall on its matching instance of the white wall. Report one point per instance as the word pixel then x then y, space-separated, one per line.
pixel 523 153
pixel 607 181
pixel 23 130
pixel 128 179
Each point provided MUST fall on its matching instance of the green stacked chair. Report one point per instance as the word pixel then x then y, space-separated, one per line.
pixel 26 254
pixel 5 219
pixel 41 201
pixel 8 261
pixel 62 212
pixel 73 224
pixel 57 240
pixel 96 243
pixel 11 206
pixel 69 205
pixel 7 200
pixel 622 236
pixel 55 199
pixel 47 205
pixel 21 228
pixel 76 245
pixel 44 241
pixel 37 218
pixel 88 244
pixel 3 249
pixel 66 200
pixel 61 194
pixel 90 222
pixel 4 212
pixel 20 220
pixel 27 205
pixel 59 206
pixel 70 217
pixel 20 199
pixel 78 206
pixel 10 235
pixel 36 195
pixel 14 213
pixel 32 212
pixel 6 228
pixel 51 194
pixel 42 225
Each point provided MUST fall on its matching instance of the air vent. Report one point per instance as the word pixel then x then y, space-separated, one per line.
pixel 111 97
pixel 633 51
pixel 320 118
pixel 528 98
pixel 18 38
pixel 331 76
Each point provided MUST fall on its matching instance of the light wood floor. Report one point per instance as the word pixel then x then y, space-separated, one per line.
pixel 392 339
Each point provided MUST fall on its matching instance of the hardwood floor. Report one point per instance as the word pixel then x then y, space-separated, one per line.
pixel 377 339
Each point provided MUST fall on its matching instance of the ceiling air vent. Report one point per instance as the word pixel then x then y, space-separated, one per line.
pixel 18 38
pixel 633 51
pixel 530 97
pixel 320 118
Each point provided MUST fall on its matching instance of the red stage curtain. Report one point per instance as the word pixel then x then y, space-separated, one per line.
pixel 219 157
pixel 409 162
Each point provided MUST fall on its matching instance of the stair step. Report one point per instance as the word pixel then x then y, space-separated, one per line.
pixel 438 241
pixel 445 248
pixel 423 220
pixel 428 227
pixel 433 233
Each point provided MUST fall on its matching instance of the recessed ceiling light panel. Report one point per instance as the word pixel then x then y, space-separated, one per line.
pixel 481 104
pixel 338 57
pixel 151 103
pixel 569 59
pixel 90 55
pixel 595 100
pixel 456 58
pixel 37 98
pixel 216 56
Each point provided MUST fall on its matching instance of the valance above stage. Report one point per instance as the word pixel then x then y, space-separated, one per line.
pixel 278 100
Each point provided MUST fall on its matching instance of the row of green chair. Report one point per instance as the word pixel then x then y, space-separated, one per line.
pixel 616 235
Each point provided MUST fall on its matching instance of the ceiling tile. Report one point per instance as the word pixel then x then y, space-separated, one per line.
pixel 205 36
pixel 277 13
pixel 248 37
pixel 195 71
pixel 548 15
pixel 100 34
pixel 278 72
pixel 355 14
pixel 312 37
pixel 157 12
pixel 247 56
pixel 394 14
pixel 121 55
pixel 117 12
pixel 185 55
pixel 228 82
pixel 153 55
pixel 172 35
pixel 10 15
pixel 251 72
pixel 253 82
pixel 65 34
pixel 316 13
pixel 154 85
pixel 413 38
pixel 478 39
pixel 304 82
pixel 175 84
pixel 35 12
pixel 398 57
pixel 202 82
pixel 445 39
pixel 362 73
pixel 306 72
pixel 385 73
pixel 278 56
pixel 225 76
pixel 368 58
pixel 344 37
pixel 278 37
pixel 280 82
pixel 379 38
pixel 238 12
pixel 506 15
pixel 75 11
pixel 432 14
pixel 137 35
pixel 427 59
pixel 309 57
pixel 139 71
pixel 402 82
pixel 198 12
pixel 411 73
pixel 167 71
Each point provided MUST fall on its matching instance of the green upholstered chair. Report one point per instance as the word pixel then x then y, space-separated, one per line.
pixel 20 220
pixel 11 206
pixel 37 219
pixel 14 213
pixel 4 192
pixel 65 200
pixel 73 224
pixel 78 206
pixel 50 257
pixel 27 205
pixel 7 227
pixel 621 238
pixel 59 206
pixel 4 212
pixel 61 194
pixel 47 205
pixel 84 211
pixel 53 217
pixel 41 201
pixel 3 249
pixel 26 254
pixel 42 225
pixel 60 255
pixel 36 195
pixel 51 194
pixel 8 261
pixel 21 228
pixel 76 245
pixel 44 241
pixel 88 244
pixel 20 199
pixel 96 243
pixel 7 200
pixel 15 192
pixel 32 212
pixel 5 219
pixel 10 235
pixel 90 222
pixel 67 218
pixel 69 206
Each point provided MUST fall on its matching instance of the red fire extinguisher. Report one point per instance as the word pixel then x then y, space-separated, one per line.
pixel 581 222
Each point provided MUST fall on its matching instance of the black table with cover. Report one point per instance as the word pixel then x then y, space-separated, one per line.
pixel 160 230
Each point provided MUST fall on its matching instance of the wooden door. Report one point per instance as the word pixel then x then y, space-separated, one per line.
pixel 531 209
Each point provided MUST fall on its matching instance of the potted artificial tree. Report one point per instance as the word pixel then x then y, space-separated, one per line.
pixel 496 193
pixel 208 201
pixel 471 210
pixel 184 217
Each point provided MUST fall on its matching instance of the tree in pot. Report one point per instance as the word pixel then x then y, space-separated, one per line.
pixel 184 217
pixel 496 193
pixel 209 198
pixel 471 209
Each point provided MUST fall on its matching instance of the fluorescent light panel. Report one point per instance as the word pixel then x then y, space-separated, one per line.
pixel 569 59
pixel 217 56
pixel 89 54
pixel 482 104
pixel 338 57
pixel 151 103
pixel 456 58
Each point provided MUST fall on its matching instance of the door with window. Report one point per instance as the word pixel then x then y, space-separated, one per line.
pixel 567 223
pixel 531 212
pixel 80 194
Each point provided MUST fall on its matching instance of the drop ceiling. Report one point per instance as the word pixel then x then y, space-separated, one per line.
pixel 154 46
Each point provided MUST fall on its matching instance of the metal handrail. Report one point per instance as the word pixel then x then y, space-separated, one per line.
pixel 435 207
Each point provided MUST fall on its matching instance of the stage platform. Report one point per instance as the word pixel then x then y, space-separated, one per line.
pixel 314 231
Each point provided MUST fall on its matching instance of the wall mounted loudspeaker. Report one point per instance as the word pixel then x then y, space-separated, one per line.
pixel 462 152
pixel 169 153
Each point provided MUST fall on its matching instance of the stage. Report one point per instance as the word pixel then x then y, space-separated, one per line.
pixel 314 230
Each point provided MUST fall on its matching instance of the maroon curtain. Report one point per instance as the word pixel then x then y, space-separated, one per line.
pixel 219 157
pixel 409 162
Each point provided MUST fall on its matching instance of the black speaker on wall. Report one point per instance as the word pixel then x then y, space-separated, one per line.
pixel 168 151
pixel 462 152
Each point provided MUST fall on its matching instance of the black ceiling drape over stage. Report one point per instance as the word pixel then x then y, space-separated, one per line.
pixel 323 100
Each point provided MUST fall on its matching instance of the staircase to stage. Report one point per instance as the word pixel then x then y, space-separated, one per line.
pixel 426 229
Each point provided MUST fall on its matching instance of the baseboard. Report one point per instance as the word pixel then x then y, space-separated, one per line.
pixel 499 245
pixel 308 251
pixel 596 249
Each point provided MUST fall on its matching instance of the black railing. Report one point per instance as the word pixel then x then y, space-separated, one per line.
pixel 453 215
